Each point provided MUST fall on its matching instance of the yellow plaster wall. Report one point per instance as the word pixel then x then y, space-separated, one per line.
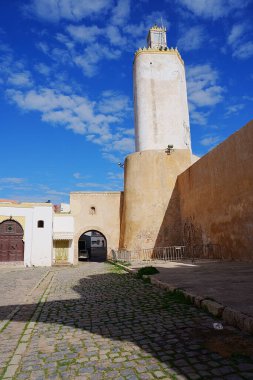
pixel 19 219
pixel 216 196
pixel 106 218
pixel 150 178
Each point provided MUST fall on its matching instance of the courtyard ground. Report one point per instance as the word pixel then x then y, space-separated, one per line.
pixel 95 321
pixel 227 282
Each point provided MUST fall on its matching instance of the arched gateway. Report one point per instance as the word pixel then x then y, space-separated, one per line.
pixel 92 245
pixel 11 241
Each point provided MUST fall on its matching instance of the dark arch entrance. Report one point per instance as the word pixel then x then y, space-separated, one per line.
pixel 92 245
pixel 11 241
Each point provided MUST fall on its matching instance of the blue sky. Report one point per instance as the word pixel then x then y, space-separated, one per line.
pixel 66 85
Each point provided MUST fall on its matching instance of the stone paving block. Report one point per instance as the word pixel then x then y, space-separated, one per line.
pixel 213 307
pixel 10 372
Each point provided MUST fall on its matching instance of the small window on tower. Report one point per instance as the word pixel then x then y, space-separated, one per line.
pixel 92 210
pixel 40 224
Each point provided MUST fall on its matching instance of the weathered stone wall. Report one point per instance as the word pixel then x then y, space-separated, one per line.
pixel 96 211
pixel 150 178
pixel 216 197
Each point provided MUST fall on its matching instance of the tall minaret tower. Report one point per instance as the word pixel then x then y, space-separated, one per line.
pixel 151 205
pixel 160 97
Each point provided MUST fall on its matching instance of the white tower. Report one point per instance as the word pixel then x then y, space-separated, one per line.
pixel 160 96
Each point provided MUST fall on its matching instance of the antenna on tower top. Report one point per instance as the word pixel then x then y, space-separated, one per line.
pixel 162 21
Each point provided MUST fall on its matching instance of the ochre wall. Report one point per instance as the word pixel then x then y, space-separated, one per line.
pixel 106 218
pixel 150 178
pixel 216 196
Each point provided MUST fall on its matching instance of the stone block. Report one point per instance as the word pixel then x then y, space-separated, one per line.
pixel 248 324
pixel 154 281
pixel 213 307
pixel 189 296
pixel 233 317
pixel 198 300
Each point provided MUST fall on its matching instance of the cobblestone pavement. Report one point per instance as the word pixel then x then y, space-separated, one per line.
pixel 97 322
pixel 15 284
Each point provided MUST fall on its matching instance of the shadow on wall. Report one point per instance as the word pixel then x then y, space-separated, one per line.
pixel 170 232
pixel 134 313
pixel 121 206
pixel 211 208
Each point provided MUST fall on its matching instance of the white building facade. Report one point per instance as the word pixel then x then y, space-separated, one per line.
pixel 30 223
pixel 33 235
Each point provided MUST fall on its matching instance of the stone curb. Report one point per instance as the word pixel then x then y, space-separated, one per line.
pixel 230 316
pixel 9 317
pixel 127 269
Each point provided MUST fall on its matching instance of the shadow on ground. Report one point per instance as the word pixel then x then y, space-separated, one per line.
pixel 122 308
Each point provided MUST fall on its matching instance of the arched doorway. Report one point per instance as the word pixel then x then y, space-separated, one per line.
pixel 92 245
pixel 11 241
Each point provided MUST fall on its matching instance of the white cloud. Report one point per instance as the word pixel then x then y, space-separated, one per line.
pixel 249 98
pixel 123 145
pixel 203 91
pixel 92 186
pixel 87 58
pixel 240 41
pixel 244 50
pixel 80 114
pixel 92 55
pixel 56 10
pixel 43 46
pixel 234 109
pixel 12 180
pixel 42 69
pixel 82 33
pixel 22 79
pixel 199 117
pixel 210 140
pixel 129 131
pixel 111 157
pixel 112 103
pixel 121 12
pixel 115 176
pixel 213 9
pixel 57 192
pixel 236 33
pixel 192 39
pixel 115 37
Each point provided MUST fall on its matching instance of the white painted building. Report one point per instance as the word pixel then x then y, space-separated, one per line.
pixel 160 96
pixel 33 235
pixel 30 223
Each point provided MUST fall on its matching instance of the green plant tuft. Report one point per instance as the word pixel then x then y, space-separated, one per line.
pixel 146 271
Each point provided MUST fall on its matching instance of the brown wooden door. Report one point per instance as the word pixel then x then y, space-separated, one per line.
pixel 11 241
